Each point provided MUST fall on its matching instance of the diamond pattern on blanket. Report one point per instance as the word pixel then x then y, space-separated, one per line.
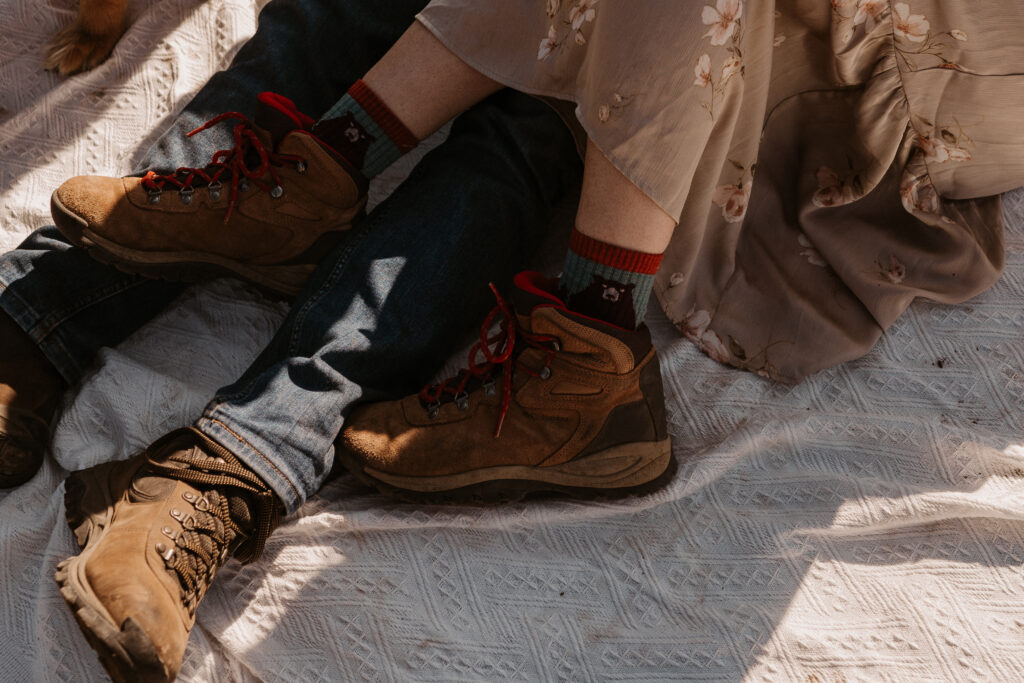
pixel 865 525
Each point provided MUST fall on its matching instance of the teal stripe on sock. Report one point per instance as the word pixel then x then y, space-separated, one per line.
pixel 382 152
pixel 578 274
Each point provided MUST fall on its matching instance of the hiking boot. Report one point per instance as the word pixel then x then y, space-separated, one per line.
pixel 266 211
pixel 30 391
pixel 553 401
pixel 154 530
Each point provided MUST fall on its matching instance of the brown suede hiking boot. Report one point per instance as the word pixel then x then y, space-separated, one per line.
pixel 266 211
pixel 30 390
pixel 155 529
pixel 561 402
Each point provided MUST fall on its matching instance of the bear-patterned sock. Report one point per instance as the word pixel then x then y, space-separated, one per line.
pixel 365 131
pixel 607 282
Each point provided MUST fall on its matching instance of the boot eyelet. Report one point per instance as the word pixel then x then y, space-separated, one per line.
pixel 433 409
pixel 545 372
pixel 301 167
pixel 176 513
pixel 202 504
pixel 556 345
pixel 189 496
pixel 462 401
pixel 186 195
pixel 243 186
pixel 489 389
pixel 214 190
pixel 153 196
pixel 277 192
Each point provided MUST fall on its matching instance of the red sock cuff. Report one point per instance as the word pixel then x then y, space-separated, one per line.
pixel 610 255
pixel 383 116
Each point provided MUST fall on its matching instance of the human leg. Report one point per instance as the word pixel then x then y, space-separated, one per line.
pixel 615 248
pixel 287 54
pixel 309 51
pixel 276 199
pixel 598 426
pixel 57 308
pixel 424 83
pixel 389 305
pixel 620 233
pixel 378 317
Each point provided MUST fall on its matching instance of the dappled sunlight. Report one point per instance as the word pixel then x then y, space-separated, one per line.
pixel 867 523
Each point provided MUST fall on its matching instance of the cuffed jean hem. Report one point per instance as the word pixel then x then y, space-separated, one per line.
pixel 28 320
pixel 45 328
pixel 251 449
pixel 71 305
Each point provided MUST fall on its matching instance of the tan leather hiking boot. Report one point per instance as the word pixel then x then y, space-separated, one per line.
pixel 559 402
pixel 30 390
pixel 266 211
pixel 155 529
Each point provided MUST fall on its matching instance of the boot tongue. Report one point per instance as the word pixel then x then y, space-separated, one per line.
pixel 146 489
pixel 241 512
pixel 276 116
pixel 178 453
pixel 532 289
pixel 150 485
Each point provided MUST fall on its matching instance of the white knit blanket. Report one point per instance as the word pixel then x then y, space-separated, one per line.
pixel 865 525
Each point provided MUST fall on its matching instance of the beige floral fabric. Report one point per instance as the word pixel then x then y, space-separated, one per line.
pixel 828 161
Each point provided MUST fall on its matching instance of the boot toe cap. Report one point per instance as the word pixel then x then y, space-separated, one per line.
pixel 368 446
pixel 86 200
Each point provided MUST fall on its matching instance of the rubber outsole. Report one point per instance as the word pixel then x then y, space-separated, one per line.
pixel 125 651
pixel 504 490
pixel 191 266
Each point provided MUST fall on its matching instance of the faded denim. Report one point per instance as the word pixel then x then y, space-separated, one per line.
pixel 385 309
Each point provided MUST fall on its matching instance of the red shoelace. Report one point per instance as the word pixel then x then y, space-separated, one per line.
pixel 500 351
pixel 230 162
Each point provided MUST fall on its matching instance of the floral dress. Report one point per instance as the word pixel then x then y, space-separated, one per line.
pixel 827 161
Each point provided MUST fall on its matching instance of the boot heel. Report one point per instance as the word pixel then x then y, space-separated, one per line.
pixel 620 467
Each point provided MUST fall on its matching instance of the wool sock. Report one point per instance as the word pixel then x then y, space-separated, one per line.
pixel 607 282
pixel 365 131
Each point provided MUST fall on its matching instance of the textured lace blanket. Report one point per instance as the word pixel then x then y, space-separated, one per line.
pixel 865 525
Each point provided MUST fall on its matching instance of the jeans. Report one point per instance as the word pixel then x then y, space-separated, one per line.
pixel 385 309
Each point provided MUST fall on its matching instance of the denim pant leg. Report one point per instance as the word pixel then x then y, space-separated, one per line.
pixel 388 306
pixel 72 305
pixel 309 50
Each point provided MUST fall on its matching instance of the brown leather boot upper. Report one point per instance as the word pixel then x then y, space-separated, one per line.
pixel 584 409
pixel 155 531
pixel 262 229
pixel 279 199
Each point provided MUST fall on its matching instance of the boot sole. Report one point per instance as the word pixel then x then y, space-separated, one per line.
pixel 176 266
pixel 126 652
pixel 627 470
